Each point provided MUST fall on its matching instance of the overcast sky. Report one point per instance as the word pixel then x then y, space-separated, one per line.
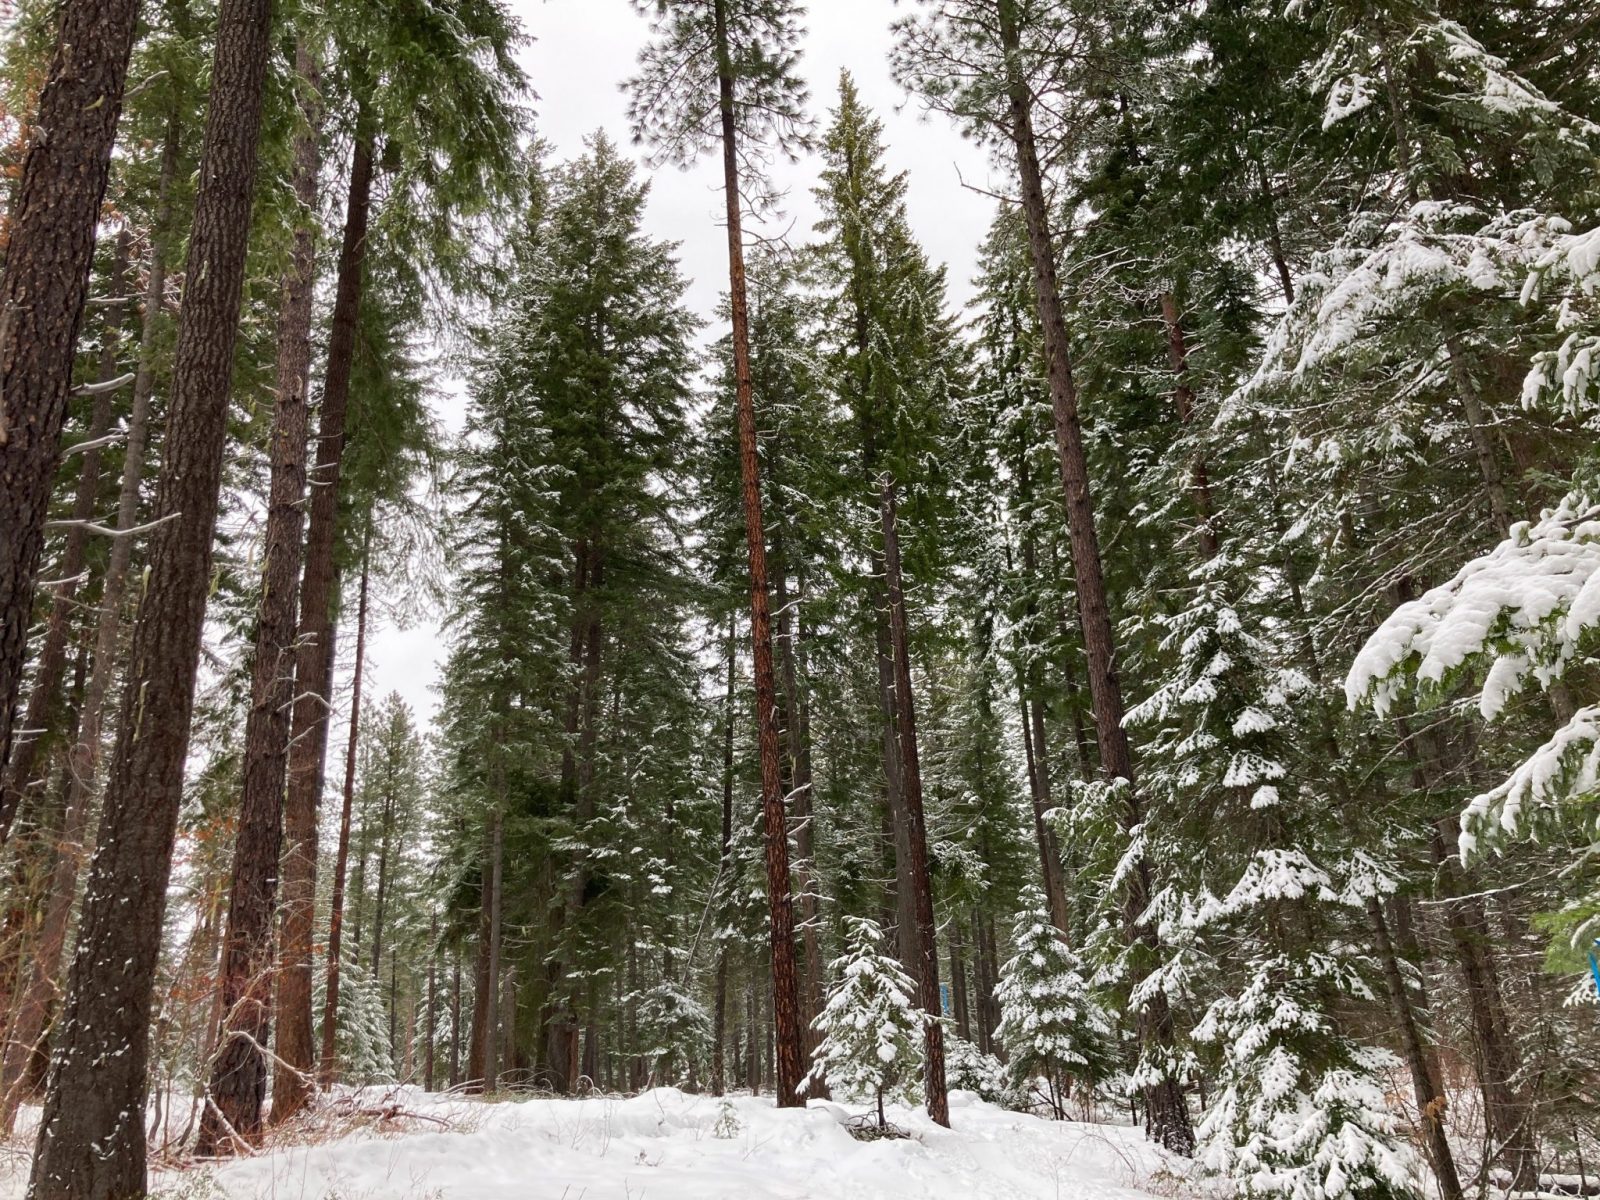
pixel 583 51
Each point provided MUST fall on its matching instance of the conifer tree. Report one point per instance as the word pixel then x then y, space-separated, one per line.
pixel 871 1022
pixel 1050 1024
pixel 742 52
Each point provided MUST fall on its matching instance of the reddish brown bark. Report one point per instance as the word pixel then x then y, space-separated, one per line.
pixel 308 746
pixel 790 1049
pixel 239 1068
pixel 91 1143
pixel 1183 400
pixel 33 1008
pixel 937 1099
pixel 1169 1116
pixel 42 294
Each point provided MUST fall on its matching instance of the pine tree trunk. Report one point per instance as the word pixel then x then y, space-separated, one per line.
pixel 1425 1083
pixel 328 1055
pixel 84 758
pixel 797 729
pixel 84 761
pixel 724 872
pixel 32 1010
pixel 91 1136
pixel 239 1068
pixel 455 1018
pixel 1183 400
pixel 268 726
pixel 491 1040
pixel 51 667
pixel 385 836
pixel 483 983
pixel 1170 1124
pixel 308 747
pixel 958 984
pixel 561 1018
pixel 786 1003
pixel 42 293
pixel 433 1001
pixel 935 1096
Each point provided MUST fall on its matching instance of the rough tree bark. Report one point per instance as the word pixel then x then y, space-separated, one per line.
pixel 32 1010
pixel 308 746
pixel 937 1099
pixel 790 1047
pixel 91 1143
pixel 42 294
pixel 238 1083
pixel 51 666
pixel 1169 1115
pixel 328 1058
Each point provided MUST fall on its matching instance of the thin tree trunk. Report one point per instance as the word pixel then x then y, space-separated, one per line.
pixel 1170 1124
pixel 308 746
pixel 91 1137
pixel 384 838
pixel 455 1018
pixel 724 872
pixel 42 293
pixel 1183 399
pixel 938 1102
pixel 483 983
pixel 786 1001
pixel 491 1041
pixel 238 1084
pixel 328 1057
pixel 433 1000
pixel 1425 1083
pixel 51 667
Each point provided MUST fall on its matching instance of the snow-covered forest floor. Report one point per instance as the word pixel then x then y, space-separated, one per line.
pixel 668 1145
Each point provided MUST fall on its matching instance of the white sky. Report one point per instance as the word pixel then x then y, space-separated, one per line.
pixel 584 50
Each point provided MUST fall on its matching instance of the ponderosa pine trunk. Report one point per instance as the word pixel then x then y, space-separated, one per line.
pixel 238 1085
pixel 934 1092
pixel 272 696
pixel 83 760
pixel 50 667
pixel 797 739
pixel 790 1046
pixel 91 1142
pixel 42 293
pixel 308 746
pixel 32 1009
pixel 1169 1115
pixel 328 1058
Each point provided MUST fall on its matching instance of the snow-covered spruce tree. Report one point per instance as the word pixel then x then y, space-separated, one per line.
pixel 1300 1112
pixel 970 1069
pixel 871 1027
pixel 1051 1025
pixel 362 1036
pixel 674 1030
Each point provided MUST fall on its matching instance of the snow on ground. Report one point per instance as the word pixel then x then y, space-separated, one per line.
pixel 668 1145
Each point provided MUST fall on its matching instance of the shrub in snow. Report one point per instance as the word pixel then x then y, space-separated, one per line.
pixel 1051 1026
pixel 1300 1113
pixel 871 1026
pixel 970 1069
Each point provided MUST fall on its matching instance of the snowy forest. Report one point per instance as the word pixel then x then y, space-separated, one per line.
pixel 1158 696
